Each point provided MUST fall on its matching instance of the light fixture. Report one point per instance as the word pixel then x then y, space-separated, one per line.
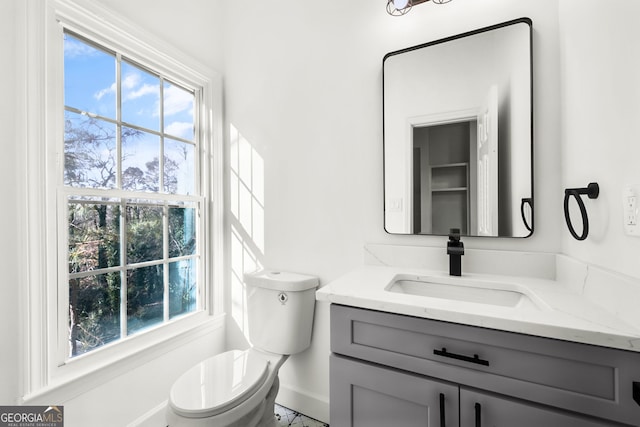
pixel 401 7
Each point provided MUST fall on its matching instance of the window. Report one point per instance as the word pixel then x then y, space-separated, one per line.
pixel 132 199
pixel 123 197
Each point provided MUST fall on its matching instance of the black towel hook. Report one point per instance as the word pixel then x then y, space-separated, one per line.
pixel 592 191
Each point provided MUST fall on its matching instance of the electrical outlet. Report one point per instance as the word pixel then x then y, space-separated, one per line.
pixel 630 210
pixel 394 205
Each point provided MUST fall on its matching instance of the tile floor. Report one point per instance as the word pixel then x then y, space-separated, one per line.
pixel 287 417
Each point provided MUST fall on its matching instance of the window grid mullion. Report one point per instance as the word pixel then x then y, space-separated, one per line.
pixel 165 255
pixel 161 156
pixel 119 122
pixel 129 125
pixel 198 137
pixel 200 187
pixel 123 272
pixel 100 193
pixel 165 211
pixel 123 220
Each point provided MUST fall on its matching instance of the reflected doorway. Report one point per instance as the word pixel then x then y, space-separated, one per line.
pixel 444 159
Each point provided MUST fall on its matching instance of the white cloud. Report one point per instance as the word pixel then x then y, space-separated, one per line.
pixel 145 89
pixel 180 129
pixel 177 100
pixel 131 80
pixel 111 89
pixel 74 48
pixel 131 88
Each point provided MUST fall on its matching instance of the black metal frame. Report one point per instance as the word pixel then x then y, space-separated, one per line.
pixel 523 20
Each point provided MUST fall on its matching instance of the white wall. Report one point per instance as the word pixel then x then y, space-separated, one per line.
pixel 193 26
pixel 600 115
pixel 304 88
pixel 127 393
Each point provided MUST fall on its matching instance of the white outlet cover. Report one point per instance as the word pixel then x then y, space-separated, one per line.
pixel 631 210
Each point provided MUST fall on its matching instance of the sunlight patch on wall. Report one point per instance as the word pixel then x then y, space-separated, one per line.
pixel 247 219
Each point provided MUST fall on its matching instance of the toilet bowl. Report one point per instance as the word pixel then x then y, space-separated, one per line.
pixel 230 389
pixel 239 388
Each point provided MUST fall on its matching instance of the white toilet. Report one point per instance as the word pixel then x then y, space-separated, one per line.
pixel 239 388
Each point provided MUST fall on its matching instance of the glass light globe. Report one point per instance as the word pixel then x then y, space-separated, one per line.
pixel 400 4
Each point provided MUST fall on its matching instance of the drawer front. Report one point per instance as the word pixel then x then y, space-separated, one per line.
pixel 578 377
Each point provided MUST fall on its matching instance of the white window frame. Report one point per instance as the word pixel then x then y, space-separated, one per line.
pixel 47 366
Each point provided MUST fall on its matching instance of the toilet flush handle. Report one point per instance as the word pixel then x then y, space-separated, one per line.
pixel 283 297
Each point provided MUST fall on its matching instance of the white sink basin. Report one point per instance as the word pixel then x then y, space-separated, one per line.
pixel 461 289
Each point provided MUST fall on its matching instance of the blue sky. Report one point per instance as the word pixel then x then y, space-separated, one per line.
pixel 90 86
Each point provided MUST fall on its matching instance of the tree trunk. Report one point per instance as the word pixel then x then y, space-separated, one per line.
pixel 73 317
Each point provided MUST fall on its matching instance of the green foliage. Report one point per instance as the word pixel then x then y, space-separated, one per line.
pixel 94 311
pixel 182 239
pixel 145 292
pixel 144 233
pixel 182 287
pixel 96 241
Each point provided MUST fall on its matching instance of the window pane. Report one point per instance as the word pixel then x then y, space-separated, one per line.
pixel 140 164
pixel 182 287
pixel 179 167
pixel 89 152
pixel 140 97
pixel 94 307
pixel 145 292
pixel 94 236
pixel 144 233
pixel 129 131
pixel 178 111
pixel 89 78
pixel 182 232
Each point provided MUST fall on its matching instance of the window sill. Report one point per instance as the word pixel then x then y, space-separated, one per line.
pixel 78 376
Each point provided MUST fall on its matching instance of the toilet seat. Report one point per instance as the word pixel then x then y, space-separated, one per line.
pixel 218 384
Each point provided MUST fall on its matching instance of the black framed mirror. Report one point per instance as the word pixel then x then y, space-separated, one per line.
pixel 458 134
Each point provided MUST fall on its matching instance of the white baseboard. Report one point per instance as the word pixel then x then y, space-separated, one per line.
pixel 155 417
pixel 312 405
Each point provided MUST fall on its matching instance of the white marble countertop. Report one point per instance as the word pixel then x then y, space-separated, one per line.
pixel 558 310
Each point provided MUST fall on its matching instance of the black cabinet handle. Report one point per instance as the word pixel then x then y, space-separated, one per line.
pixel 443 422
pixel 475 359
pixel 478 409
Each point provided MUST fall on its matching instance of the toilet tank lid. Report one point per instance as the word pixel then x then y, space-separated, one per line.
pixel 280 280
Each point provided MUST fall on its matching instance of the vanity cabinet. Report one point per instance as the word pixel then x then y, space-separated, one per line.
pixel 395 370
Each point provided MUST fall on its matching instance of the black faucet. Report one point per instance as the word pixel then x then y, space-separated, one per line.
pixel 455 250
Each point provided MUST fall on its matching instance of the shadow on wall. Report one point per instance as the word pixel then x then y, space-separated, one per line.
pixel 247 220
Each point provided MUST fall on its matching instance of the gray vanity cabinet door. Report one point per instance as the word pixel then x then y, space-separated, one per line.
pixel 367 395
pixel 483 410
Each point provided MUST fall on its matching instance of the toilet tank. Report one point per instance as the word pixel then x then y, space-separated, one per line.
pixel 280 310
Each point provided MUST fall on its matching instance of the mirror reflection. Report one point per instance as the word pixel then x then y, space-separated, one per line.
pixel 458 134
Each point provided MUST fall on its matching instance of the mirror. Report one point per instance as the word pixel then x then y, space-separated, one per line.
pixel 458 134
